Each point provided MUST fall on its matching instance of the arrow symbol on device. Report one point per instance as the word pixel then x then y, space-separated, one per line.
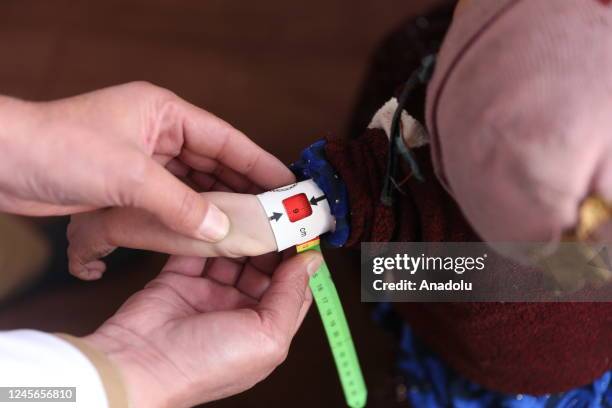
pixel 314 201
pixel 275 216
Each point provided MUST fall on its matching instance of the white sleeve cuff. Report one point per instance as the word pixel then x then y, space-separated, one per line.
pixel 30 358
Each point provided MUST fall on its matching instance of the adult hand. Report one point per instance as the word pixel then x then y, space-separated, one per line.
pixel 119 147
pixel 207 329
pixel 95 234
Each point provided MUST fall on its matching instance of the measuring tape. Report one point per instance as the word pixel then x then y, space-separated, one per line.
pixel 337 331
pixel 300 212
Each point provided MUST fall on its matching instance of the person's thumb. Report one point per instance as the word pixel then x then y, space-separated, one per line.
pixel 176 205
pixel 282 304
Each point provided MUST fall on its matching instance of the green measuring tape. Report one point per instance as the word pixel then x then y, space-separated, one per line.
pixel 337 331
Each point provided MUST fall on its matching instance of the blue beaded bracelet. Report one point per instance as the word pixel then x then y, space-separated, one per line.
pixel 313 164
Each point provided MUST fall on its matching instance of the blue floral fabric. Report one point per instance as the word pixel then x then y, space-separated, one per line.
pixel 313 164
pixel 431 384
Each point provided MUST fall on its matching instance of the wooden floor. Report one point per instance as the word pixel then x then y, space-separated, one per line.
pixel 284 72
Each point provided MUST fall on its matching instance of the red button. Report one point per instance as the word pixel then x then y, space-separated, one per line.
pixel 297 207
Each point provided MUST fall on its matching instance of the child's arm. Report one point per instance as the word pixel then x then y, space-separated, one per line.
pixel 95 236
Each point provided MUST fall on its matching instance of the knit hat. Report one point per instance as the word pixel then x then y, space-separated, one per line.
pixel 520 114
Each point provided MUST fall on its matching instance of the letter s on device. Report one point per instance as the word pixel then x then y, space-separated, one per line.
pixel 297 213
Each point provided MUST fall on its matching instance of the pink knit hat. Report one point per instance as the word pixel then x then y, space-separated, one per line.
pixel 520 113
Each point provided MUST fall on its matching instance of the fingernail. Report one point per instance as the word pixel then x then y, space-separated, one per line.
pixel 313 264
pixel 215 225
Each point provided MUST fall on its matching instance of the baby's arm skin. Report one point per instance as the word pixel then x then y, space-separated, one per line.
pixel 250 234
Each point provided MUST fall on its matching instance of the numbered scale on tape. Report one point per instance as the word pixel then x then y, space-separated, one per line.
pixel 337 331
pixel 298 214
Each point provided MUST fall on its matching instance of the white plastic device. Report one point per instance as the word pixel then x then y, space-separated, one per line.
pixel 297 213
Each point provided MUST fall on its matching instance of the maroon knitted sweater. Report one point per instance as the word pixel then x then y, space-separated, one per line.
pixel 533 348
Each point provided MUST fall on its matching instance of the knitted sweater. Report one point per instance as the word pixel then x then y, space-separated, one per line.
pixel 533 348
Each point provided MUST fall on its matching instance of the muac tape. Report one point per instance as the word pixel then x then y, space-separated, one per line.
pixel 297 213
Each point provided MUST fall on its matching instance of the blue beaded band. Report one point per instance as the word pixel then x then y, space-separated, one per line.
pixel 313 164
pixel 429 383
